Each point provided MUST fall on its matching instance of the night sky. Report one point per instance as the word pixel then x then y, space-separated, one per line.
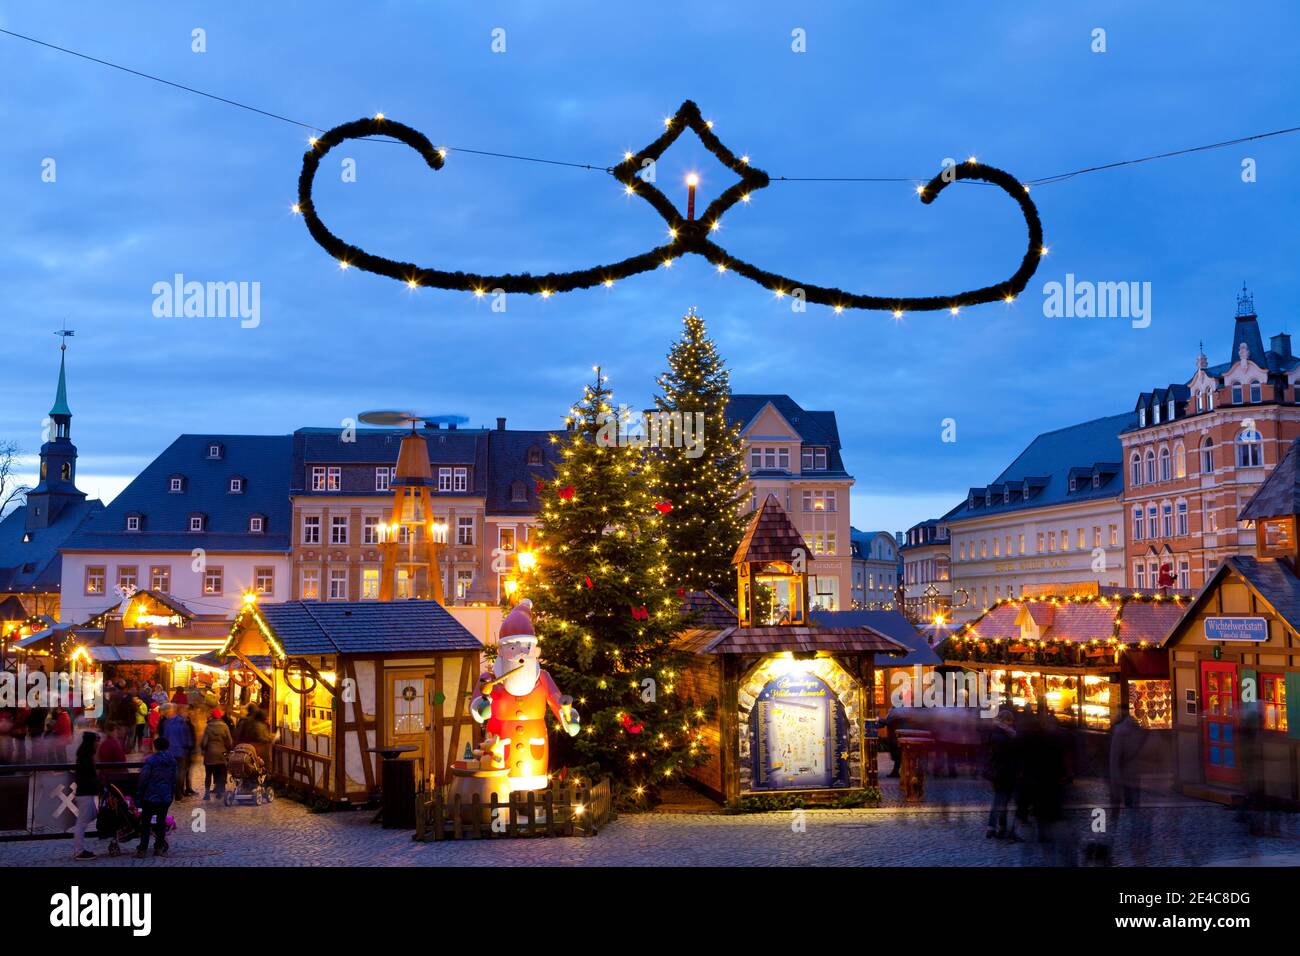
pixel 152 181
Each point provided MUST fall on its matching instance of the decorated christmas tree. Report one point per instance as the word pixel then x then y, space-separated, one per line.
pixel 702 482
pixel 605 613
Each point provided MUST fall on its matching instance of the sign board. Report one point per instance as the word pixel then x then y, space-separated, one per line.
pixel 798 731
pixel 1236 629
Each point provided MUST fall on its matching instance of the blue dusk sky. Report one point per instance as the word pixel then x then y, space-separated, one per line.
pixel 152 181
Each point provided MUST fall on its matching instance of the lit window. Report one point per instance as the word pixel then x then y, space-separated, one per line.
pixel 369 584
pixel 318 479
pixel 213 581
pixel 160 578
pixel 1272 693
pixel 264 580
pixel 310 589
pixel 333 479
pixel 95 580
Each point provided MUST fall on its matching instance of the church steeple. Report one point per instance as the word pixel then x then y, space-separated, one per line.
pixel 1247 331
pixel 58 487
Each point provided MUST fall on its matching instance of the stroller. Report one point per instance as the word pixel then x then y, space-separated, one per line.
pixel 118 819
pixel 248 772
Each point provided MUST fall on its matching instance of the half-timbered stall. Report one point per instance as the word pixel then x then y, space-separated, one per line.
pixel 1235 659
pixel 348 679
pixel 795 702
pixel 1080 655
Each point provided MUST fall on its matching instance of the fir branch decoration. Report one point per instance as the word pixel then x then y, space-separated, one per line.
pixel 689 236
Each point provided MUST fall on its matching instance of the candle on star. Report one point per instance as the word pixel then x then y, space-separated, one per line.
pixel 692 180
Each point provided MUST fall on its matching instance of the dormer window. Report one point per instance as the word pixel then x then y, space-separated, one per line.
pixel 133 522
pixel 1024 491
pixel 1006 495
pixel 970 502
pixel 1074 484
pixel 176 484
pixel 518 491
pixel 1172 416
pixel 256 524
pixel 198 522
pixel 534 456
pixel 214 450
pixel 814 458
pixel 1142 417
pixel 1096 480
pixel 237 485
pixel 1155 414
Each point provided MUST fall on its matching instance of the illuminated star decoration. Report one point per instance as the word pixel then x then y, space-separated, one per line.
pixel 687 235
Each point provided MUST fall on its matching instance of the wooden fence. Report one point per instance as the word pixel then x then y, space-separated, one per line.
pixel 562 809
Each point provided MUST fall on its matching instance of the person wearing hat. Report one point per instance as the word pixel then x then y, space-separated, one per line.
pixel 87 790
pixel 513 700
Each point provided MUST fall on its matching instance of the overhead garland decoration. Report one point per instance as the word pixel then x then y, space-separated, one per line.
pixel 687 233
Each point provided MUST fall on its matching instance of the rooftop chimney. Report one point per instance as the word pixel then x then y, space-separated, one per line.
pixel 501 424
pixel 1281 344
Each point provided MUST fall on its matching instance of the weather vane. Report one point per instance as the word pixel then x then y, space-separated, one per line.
pixel 66 333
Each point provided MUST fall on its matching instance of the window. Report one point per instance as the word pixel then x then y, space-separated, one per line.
pixel 464 581
pixel 518 491
pixel 384 476
pixel 338 529
pixel 534 456
pixel 132 522
pixel 1272 693
pixel 1236 394
pixel 1065 539
pixel 214 450
pixel 1209 400
pixel 1082 542
pixel 1155 413
pixel 264 580
pixel 311 529
pixel 961 552
pixel 1114 535
pixel 1142 417
pixel 1184 574
pixel 1180 461
pixel 370 529
pixel 1210 522
pixel 818 500
pixel 403 584
pixel 369 584
pixel 128 576
pixel 823 542
pixel 825 592
pixel 1051 541
pixel 1250 449
pixel 338 584
pixel 465 530
pixel 1135 469
pixel 1172 416
pixel 1152 522
pixel 813 459
pixel 310 590
pixel 1200 401
pixel 1021 544
pixel 460 479
pixel 196 522
pixel 175 484
pixel 1096 536
pixel 1182 517
pixel 256 524
pixel 1040 542
pixel 1207 456
pixel 236 486
pixel 1255 395
pixel 213 581
pixel 1137 523
pixel 997 548
pixel 318 478
pixel 1167 520
pixel 770 457
pixel 1166 472
pixel 333 479
pixel 160 578
pixel 65 471
pixel 1139 575
pixel 1149 472
pixel 444 479
pixel 506 539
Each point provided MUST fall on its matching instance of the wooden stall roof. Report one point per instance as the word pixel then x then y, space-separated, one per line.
pixel 1272 581
pixel 1280 493
pixel 770 536
pixel 777 638
pixel 306 628
pixel 1131 620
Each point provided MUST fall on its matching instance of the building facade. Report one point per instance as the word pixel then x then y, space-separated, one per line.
pixel 875 569
pixel 1198 451
pixel 795 454
pixel 1054 516
pixel 927 571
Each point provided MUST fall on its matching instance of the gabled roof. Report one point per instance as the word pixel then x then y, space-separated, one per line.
pixel 1272 580
pixel 262 460
pixel 813 428
pixel 770 536
pixel 307 628
pixel 29 560
pixel 1280 492
pixel 1129 620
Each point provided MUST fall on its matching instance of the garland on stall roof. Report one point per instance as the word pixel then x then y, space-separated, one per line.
pixel 687 235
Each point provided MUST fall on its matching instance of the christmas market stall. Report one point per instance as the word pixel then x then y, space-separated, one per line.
pixel 795 701
pixel 1235 660
pixel 1081 654
pixel 351 679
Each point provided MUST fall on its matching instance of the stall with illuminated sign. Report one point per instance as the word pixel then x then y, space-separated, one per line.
pixel 796 710
pixel 348 679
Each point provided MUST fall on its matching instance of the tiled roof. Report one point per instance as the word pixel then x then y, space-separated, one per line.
pixel 893 625
pixel 813 428
pixel 1280 493
pixel 1148 621
pixel 508 452
pixel 770 536
pixel 777 638
pixel 35 566
pixel 1046 464
pixel 379 446
pixel 1082 621
pixel 1271 579
pixel 709 610
pixel 261 460
pixel 306 628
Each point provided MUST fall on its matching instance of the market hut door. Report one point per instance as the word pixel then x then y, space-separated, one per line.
pixel 409 694
pixel 1219 737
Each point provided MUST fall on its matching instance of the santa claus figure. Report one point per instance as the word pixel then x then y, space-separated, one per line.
pixel 513 700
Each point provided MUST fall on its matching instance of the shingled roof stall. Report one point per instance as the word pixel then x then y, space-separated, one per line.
pixel 783 684
pixel 346 678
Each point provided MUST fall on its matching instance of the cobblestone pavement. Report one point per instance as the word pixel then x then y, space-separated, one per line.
pixel 1182 832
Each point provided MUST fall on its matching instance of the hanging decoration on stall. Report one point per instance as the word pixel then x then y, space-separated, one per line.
pixel 687 233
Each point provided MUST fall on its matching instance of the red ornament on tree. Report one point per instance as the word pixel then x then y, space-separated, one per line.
pixel 663 507
pixel 566 493
pixel 640 613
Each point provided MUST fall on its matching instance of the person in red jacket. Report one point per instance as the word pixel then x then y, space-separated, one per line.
pixel 111 749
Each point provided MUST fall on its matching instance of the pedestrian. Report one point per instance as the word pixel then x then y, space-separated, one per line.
pixel 36 742
pixel 111 749
pixel 215 745
pixel 141 715
pixel 7 736
pixel 60 734
pixel 88 788
pixel 253 729
pixel 1003 774
pixel 20 734
pixel 155 790
pixel 175 728
pixel 152 718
